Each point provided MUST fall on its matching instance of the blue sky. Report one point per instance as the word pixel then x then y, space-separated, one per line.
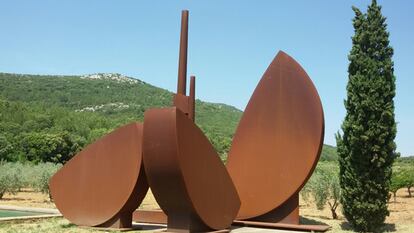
pixel 230 45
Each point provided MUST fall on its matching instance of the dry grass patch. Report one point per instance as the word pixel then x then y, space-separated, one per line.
pixel 401 217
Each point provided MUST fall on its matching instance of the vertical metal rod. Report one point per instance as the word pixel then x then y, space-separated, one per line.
pixel 192 97
pixel 182 64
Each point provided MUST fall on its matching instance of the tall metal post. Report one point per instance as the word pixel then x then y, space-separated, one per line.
pixel 182 64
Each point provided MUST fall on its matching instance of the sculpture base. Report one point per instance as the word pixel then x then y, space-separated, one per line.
pixel 285 216
pixel 149 216
pixel 288 213
pixel 286 226
pixel 186 222
pixel 119 221
pixel 159 217
pixel 111 229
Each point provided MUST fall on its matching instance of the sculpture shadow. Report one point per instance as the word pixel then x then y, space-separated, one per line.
pixel 148 227
pixel 308 221
pixel 135 226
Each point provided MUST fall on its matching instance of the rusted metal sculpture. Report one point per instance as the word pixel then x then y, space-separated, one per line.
pixel 186 176
pixel 274 151
pixel 267 163
pixel 277 144
pixel 181 101
pixel 103 184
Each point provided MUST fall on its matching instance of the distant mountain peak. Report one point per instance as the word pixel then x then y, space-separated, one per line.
pixel 112 76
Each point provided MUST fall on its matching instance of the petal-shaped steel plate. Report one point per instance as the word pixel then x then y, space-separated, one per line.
pixel 185 173
pixel 103 180
pixel 279 138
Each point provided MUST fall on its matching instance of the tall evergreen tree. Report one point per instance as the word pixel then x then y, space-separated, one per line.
pixel 366 148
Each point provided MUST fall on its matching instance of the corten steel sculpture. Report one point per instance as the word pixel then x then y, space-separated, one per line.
pixel 186 175
pixel 103 184
pixel 277 145
pixel 274 151
pixel 181 101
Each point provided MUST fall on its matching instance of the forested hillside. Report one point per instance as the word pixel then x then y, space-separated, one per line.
pixel 50 118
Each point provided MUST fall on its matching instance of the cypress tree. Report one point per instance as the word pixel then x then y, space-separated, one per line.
pixel 366 147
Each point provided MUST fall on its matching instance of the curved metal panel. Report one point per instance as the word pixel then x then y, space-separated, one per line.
pixel 104 182
pixel 186 176
pixel 278 140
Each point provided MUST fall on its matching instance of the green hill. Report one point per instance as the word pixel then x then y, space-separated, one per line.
pixel 329 153
pixel 50 118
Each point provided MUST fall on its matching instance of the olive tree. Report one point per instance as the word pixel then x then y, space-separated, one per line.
pixel 324 187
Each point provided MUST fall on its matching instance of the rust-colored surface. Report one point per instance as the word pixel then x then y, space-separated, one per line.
pixel 186 176
pixel 105 182
pixel 191 110
pixel 181 100
pixel 186 104
pixel 288 212
pixel 150 216
pixel 278 140
pixel 182 61
pixel 274 151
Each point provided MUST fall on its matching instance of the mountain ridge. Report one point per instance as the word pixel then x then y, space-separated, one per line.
pixel 117 98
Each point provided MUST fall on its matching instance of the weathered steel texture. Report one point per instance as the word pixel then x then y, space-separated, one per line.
pixel 275 150
pixel 104 183
pixel 278 140
pixel 182 62
pixel 150 216
pixel 186 176
pixel 181 100
pixel 191 114
pixel 186 104
pixel 288 212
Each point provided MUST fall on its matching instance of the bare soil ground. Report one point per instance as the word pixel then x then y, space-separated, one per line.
pixel 30 198
pixel 27 198
pixel 401 217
